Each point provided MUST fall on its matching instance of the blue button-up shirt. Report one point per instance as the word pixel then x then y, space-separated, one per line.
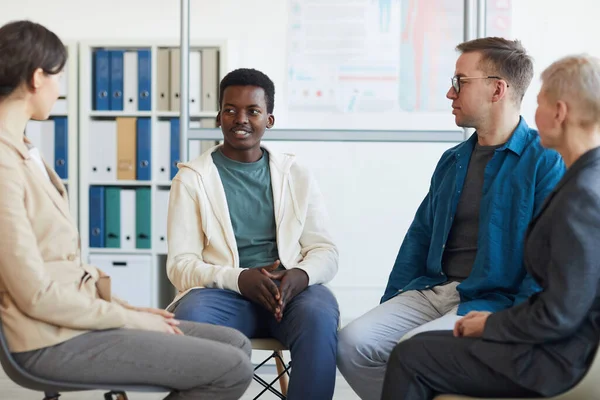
pixel 516 181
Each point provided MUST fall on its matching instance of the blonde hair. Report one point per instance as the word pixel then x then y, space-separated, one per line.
pixel 576 81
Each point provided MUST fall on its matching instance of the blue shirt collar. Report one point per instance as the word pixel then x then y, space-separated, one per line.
pixel 516 143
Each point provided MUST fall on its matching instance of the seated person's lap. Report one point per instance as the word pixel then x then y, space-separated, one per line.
pixel 314 307
pixel 379 330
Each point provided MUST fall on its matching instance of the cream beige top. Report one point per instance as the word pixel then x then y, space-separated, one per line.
pixel 47 295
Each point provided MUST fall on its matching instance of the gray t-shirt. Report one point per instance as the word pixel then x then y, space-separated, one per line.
pixel 250 201
pixel 461 246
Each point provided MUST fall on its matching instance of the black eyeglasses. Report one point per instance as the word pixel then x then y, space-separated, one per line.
pixel 456 80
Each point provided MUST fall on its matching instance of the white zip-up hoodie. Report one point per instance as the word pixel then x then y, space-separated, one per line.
pixel 202 246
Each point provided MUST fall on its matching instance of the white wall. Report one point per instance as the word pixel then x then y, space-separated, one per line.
pixel 550 29
pixel 371 189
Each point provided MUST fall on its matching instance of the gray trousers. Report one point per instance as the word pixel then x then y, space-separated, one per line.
pixel 365 344
pixel 209 362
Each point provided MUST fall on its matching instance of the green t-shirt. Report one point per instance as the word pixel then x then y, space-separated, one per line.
pixel 250 201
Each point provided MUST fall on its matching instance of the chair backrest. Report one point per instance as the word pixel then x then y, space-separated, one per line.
pixel 13 370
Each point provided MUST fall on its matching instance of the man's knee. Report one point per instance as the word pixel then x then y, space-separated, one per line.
pixel 347 345
pixel 208 305
pixel 318 297
pixel 355 347
pixel 188 307
pixel 318 309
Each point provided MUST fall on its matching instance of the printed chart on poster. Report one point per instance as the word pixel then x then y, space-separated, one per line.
pixel 382 63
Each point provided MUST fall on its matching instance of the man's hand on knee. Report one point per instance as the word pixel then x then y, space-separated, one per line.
pixel 259 288
pixel 293 281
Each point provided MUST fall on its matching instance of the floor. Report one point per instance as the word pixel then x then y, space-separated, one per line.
pixel 8 390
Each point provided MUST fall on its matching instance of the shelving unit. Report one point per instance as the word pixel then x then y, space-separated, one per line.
pixel 102 128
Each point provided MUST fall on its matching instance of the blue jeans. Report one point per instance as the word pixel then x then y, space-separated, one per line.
pixel 308 329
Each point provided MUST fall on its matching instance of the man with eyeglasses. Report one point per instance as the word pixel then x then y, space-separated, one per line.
pixel 464 250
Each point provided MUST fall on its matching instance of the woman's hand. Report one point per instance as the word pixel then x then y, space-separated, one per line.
pixel 152 319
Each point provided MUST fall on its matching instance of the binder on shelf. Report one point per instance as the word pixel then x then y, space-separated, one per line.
pixel 163 152
pixel 101 73
pixel 195 90
pixel 61 147
pixel 96 211
pixel 130 276
pixel 102 152
pixel 175 83
pixel 161 211
pixel 33 131
pixel 41 135
pixel 128 219
pixel 112 232
pixel 163 78
pixel 143 218
pixel 116 80
pixel 47 145
pixel 210 79
pixel 144 80
pixel 130 81
pixel 175 157
pixel 126 148
pixel 144 149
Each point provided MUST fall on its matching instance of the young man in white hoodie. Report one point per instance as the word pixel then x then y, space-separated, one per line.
pixel 248 243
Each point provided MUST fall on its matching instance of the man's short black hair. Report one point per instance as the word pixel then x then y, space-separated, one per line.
pixel 249 77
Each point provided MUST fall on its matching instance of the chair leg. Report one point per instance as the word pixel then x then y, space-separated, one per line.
pixel 51 396
pixel 283 380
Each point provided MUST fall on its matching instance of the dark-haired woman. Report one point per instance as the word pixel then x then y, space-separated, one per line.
pixel 58 315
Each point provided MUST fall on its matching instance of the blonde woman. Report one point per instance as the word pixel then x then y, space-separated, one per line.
pixel 58 316
pixel 545 345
